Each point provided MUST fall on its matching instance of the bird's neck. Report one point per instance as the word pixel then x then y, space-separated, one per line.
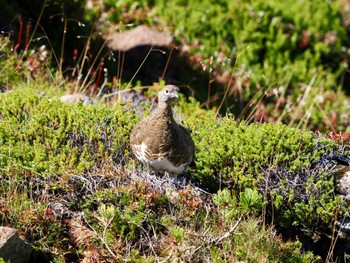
pixel 165 110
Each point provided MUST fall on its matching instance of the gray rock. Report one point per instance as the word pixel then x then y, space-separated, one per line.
pixel 135 100
pixel 345 226
pixel 75 98
pixel 12 248
pixel 342 176
pixel 139 36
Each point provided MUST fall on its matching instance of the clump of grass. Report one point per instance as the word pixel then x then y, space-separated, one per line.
pixel 8 72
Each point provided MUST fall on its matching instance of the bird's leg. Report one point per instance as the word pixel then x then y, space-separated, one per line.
pixel 184 181
pixel 171 176
pixel 174 178
pixel 166 175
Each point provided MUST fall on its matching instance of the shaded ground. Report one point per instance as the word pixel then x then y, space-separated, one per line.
pixel 163 63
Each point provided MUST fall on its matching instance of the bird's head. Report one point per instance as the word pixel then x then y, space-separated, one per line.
pixel 168 94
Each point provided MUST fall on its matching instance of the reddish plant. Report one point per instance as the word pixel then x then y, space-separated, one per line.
pixel 28 29
pixel 98 80
pixel 19 39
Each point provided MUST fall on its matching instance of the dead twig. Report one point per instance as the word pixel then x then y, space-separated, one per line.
pixel 228 233
pixel 100 237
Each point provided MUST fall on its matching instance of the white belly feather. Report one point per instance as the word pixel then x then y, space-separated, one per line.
pixel 159 164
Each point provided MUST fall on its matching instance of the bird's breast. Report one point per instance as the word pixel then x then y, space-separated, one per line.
pixel 159 162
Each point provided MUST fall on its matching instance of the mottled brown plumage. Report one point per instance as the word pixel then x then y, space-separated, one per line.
pixel 159 141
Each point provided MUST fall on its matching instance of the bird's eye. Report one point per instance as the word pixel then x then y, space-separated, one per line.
pixel 167 91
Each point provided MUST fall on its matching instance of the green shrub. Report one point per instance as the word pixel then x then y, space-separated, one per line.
pixel 274 42
pixel 290 40
pixel 44 136
pixel 256 245
pixel 237 152
pixel 285 165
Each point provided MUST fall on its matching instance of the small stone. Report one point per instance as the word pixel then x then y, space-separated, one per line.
pixel 343 182
pixel 12 248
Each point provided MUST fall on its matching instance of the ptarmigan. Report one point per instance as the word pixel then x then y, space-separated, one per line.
pixel 161 143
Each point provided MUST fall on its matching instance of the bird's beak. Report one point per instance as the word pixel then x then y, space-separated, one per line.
pixel 175 96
